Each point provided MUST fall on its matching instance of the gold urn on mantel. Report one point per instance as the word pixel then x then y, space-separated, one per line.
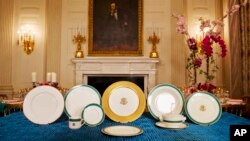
pixel 154 39
pixel 79 39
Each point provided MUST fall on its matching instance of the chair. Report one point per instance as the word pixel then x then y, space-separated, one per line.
pixel 246 99
pixel 2 108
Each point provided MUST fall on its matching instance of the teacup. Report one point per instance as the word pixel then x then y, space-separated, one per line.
pixel 172 118
pixel 75 122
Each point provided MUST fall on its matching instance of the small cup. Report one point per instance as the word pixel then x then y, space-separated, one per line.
pixel 173 118
pixel 75 122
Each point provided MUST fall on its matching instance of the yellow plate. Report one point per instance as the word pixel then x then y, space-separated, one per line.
pixel 123 101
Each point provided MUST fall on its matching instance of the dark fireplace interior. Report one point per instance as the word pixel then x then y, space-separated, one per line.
pixel 102 82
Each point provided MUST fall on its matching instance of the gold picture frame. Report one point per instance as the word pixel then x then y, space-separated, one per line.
pixel 115 31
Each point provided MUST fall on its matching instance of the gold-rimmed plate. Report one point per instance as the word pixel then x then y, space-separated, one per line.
pixel 123 101
pixel 121 130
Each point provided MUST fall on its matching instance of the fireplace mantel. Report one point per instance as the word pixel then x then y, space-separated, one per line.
pixel 110 66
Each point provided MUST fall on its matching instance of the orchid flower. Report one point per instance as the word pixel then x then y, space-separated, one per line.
pixel 218 24
pixel 204 23
pixel 234 9
pixel 181 25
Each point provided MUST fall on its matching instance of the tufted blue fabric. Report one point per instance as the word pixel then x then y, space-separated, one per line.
pixel 16 127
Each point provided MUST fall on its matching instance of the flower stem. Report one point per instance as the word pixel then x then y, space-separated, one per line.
pixel 195 76
pixel 208 78
pixel 194 68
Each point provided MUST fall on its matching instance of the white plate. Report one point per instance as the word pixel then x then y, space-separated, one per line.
pixel 122 130
pixel 93 114
pixel 163 99
pixel 78 98
pixel 43 105
pixel 171 125
pixel 203 108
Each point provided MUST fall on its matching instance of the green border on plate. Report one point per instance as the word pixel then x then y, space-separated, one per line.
pixel 103 114
pixel 77 86
pixel 201 123
pixel 160 85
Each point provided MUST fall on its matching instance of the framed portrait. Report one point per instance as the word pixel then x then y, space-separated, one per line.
pixel 115 28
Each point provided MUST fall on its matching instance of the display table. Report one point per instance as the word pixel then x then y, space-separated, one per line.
pixel 17 127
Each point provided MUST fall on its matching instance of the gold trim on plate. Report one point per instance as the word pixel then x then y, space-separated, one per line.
pixel 118 118
pixel 122 131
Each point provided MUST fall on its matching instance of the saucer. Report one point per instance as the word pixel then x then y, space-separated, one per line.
pixel 171 125
pixel 122 131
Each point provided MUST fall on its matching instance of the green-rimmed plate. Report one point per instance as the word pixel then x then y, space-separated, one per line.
pixel 78 97
pixel 203 108
pixel 93 115
pixel 163 99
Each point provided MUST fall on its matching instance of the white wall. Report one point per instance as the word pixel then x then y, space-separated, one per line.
pixel 31 12
pixel 172 49
pixel 156 12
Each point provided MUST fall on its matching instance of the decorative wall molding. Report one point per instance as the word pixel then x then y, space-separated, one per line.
pixel 6 24
pixel 53 36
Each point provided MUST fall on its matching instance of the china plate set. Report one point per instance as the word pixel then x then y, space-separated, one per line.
pixel 122 102
pixel 83 101
pixel 202 108
pixel 165 103
pixel 82 104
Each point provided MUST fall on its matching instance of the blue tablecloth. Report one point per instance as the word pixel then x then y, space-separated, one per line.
pixel 16 127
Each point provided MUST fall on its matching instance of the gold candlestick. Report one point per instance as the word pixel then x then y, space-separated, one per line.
pixel 154 39
pixel 79 39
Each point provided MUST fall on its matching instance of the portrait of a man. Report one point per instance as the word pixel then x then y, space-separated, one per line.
pixel 115 27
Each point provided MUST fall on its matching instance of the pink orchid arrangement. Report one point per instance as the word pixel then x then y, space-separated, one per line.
pixel 203 49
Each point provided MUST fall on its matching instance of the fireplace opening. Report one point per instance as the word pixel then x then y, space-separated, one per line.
pixel 102 82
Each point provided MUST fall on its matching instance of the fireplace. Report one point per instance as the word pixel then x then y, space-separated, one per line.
pixel 139 70
pixel 102 82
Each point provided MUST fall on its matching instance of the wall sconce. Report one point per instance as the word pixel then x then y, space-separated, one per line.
pixel 26 39
pixel 154 39
pixel 79 39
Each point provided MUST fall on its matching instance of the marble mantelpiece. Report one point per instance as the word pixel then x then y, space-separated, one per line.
pixel 113 66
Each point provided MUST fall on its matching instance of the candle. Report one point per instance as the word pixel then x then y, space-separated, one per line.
pixel 153 27
pixel 48 77
pixel 33 76
pixel 53 74
pixel 157 31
